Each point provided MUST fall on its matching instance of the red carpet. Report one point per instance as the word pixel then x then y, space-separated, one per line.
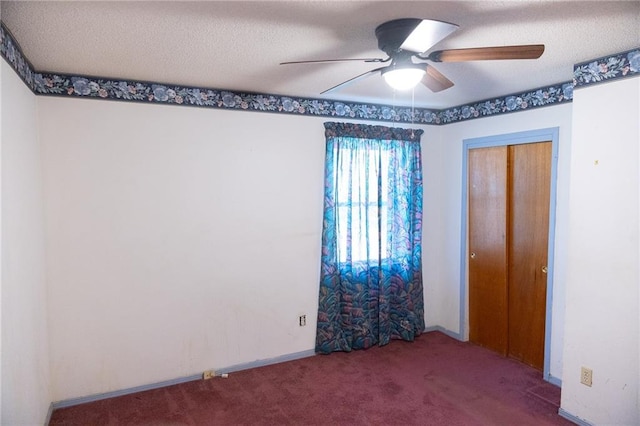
pixel 435 380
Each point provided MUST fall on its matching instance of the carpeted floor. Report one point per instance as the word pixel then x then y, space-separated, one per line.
pixel 435 380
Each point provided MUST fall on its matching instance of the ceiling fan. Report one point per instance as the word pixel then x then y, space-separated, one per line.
pixel 408 38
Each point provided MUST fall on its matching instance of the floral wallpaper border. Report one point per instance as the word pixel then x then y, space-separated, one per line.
pixel 53 84
pixel 11 52
pixel 607 68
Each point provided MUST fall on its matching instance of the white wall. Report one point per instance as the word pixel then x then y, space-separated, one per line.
pixel 25 365
pixel 601 322
pixel 433 234
pixel 442 254
pixel 179 239
pixel 170 231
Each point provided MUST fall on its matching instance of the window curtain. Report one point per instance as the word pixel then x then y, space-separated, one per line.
pixel 371 269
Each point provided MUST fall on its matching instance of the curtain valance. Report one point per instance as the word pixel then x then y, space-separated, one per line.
pixel 365 131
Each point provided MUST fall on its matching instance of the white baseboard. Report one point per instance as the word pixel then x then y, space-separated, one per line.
pixel 554 380
pixel 113 394
pixel 226 370
pixel 263 362
pixel 47 420
pixel 449 333
pixel 572 418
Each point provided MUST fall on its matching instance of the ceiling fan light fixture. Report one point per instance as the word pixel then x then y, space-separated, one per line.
pixel 403 78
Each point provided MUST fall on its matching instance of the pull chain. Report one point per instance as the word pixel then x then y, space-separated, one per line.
pixel 393 102
pixel 413 94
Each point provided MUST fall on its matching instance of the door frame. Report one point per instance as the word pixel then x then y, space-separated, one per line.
pixel 531 136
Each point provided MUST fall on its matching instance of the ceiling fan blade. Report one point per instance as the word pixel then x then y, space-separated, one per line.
pixel 352 80
pixel 528 51
pixel 435 81
pixel 411 34
pixel 426 35
pixel 320 61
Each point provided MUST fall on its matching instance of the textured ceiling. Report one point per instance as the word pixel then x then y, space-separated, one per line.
pixel 237 45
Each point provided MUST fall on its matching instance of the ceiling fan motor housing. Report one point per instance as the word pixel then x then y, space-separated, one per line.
pixel 392 34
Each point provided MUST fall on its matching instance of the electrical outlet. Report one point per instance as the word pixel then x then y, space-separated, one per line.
pixel 586 376
pixel 209 374
pixel 302 320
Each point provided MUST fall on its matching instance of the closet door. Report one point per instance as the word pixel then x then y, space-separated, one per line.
pixel 487 189
pixel 509 188
pixel 529 195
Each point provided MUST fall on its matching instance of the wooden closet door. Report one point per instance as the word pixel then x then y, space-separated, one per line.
pixel 529 196
pixel 487 189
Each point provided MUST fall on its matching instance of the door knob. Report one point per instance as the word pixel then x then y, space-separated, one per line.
pixel 544 269
pixel 473 255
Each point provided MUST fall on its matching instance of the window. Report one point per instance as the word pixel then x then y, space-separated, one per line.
pixel 362 203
